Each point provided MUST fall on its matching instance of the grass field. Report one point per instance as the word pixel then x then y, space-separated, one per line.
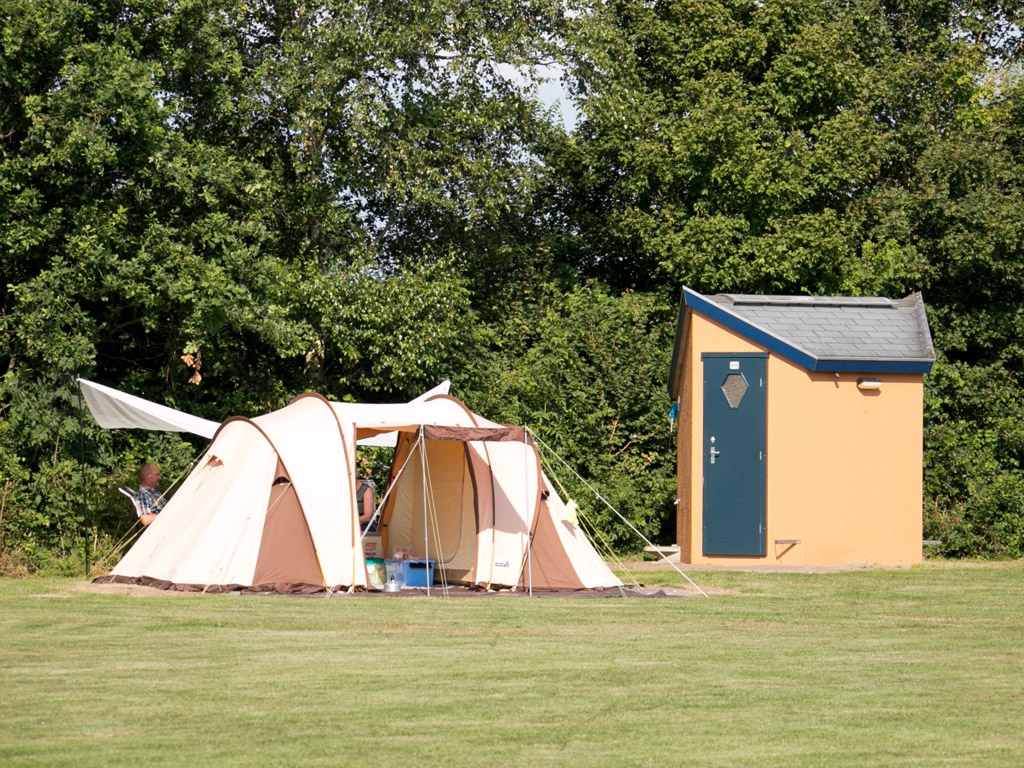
pixel 917 667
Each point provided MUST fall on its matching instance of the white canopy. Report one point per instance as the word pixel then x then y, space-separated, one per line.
pixel 114 409
pixel 388 439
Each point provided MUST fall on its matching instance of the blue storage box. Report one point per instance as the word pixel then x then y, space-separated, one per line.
pixel 411 573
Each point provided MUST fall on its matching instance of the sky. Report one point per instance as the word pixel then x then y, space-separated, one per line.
pixel 553 93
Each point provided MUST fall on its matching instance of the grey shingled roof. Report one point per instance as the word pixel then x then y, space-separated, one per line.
pixel 840 328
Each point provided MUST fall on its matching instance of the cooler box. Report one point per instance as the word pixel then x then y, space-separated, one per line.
pixel 411 573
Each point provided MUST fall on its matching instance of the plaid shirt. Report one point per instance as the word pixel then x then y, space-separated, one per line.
pixel 151 501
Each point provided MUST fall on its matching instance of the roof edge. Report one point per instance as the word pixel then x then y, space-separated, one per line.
pixel 715 311
pixel 734 322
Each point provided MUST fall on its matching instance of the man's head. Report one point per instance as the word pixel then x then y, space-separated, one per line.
pixel 149 476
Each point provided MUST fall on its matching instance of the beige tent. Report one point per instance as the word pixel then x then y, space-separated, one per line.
pixel 271 506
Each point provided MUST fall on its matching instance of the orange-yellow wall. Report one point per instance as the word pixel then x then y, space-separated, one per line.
pixel 843 465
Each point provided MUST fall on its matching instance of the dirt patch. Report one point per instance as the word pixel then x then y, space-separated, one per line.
pixel 661 565
pixel 650 591
pixel 635 568
pixel 639 566
pixel 126 590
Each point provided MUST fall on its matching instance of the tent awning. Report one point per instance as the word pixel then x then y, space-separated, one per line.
pixel 118 410
pixel 114 409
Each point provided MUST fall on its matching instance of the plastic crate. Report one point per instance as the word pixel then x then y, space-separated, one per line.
pixel 411 573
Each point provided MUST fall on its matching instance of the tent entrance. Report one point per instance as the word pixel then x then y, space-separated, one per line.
pixel 286 553
pixel 465 498
pixel 432 507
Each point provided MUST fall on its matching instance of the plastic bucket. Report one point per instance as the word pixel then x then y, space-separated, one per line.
pixel 375 571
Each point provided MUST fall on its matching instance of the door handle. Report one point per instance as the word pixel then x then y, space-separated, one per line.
pixel 712 453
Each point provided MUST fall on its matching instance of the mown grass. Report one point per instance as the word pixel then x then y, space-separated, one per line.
pixel 918 667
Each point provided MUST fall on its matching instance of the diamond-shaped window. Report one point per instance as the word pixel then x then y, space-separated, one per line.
pixel 735 387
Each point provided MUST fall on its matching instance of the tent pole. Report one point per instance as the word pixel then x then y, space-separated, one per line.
pixel 426 534
pixel 529 524
pixel 81 471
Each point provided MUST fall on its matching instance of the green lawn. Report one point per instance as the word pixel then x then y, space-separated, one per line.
pixel 918 667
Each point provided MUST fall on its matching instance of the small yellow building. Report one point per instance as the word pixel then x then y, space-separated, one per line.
pixel 800 429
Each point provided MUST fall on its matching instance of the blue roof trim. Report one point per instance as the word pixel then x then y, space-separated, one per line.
pixel 717 312
pixel 873 366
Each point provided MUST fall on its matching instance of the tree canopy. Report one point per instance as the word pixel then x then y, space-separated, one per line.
pixel 220 205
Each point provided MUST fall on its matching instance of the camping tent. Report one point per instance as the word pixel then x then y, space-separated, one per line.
pixel 271 505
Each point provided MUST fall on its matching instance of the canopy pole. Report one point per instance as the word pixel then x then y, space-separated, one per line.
pixel 81 472
pixel 426 533
pixel 529 524
pixel 439 547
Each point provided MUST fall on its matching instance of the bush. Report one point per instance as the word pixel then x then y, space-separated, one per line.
pixel 974 447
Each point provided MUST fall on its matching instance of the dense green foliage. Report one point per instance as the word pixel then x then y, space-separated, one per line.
pixel 585 370
pixel 219 205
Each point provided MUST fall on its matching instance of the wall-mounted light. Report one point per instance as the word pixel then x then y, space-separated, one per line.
pixel 868 383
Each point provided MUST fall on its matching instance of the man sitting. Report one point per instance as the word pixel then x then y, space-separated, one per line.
pixel 150 502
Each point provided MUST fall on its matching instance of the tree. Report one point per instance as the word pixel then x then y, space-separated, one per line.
pixel 804 147
pixel 584 368
pixel 219 206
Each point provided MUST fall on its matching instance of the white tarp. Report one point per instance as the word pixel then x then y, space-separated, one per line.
pixel 113 409
pixel 117 410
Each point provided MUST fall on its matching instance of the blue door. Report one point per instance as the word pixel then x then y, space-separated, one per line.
pixel 735 425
